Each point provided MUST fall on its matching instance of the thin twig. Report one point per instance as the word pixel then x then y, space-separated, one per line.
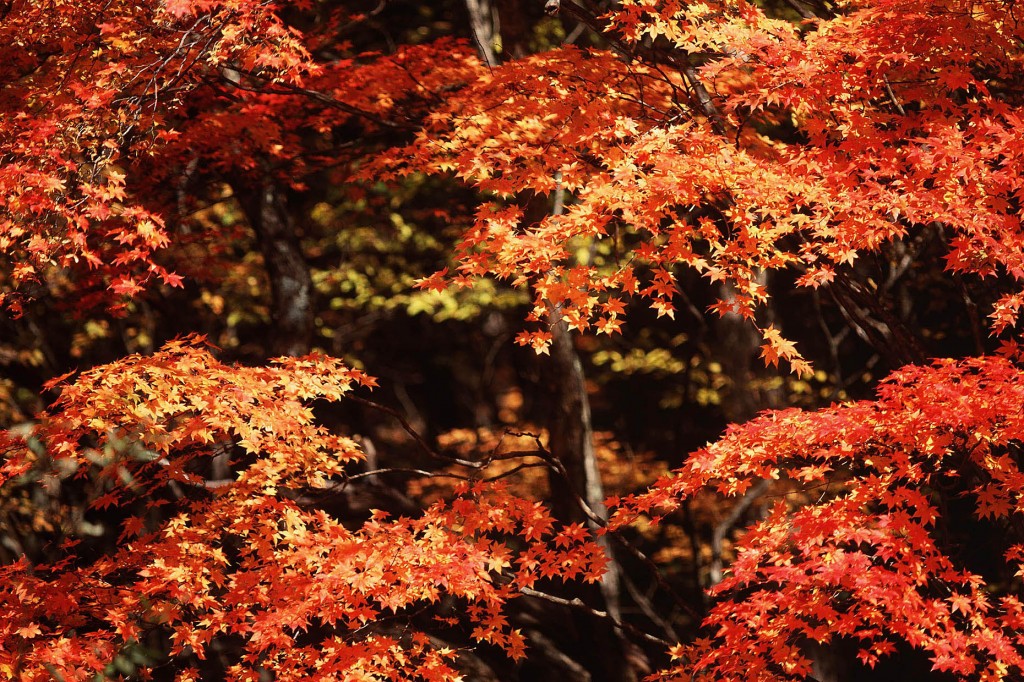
pixel 648 608
pixel 405 470
pixel 577 603
pixel 594 518
pixel 323 98
pixel 726 525
pixel 414 433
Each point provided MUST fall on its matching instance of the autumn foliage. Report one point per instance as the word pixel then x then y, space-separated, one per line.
pixel 734 145
pixel 867 560
pixel 246 556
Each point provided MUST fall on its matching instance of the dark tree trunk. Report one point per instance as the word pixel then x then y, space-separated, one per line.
pixel 572 437
pixel 737 349
pixel 572 443
pixel 515 27
pixel 291 286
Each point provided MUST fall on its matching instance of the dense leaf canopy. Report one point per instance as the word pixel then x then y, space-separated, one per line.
pixel 723 155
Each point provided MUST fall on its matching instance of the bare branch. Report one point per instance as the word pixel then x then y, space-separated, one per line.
pixel 414 433
pixel 577 603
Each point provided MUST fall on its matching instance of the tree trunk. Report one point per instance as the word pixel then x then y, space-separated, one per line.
pixel 500 29
pixel 737 346
pixel 291 286
pixel 737 349
pixel 483 22
pixel 572 443
pixel 572 437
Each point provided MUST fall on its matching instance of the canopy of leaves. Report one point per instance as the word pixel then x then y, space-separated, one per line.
pixel 247 556
pixel 720 144
pixel 871 558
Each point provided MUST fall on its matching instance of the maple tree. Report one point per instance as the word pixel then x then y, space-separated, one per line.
pixel 868 560
pixel 245 556
pixel 735 143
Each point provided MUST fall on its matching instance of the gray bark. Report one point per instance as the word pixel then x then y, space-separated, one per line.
pixel 572 443
pixel 482 21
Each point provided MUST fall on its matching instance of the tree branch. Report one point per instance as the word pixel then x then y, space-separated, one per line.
pixel 577 603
